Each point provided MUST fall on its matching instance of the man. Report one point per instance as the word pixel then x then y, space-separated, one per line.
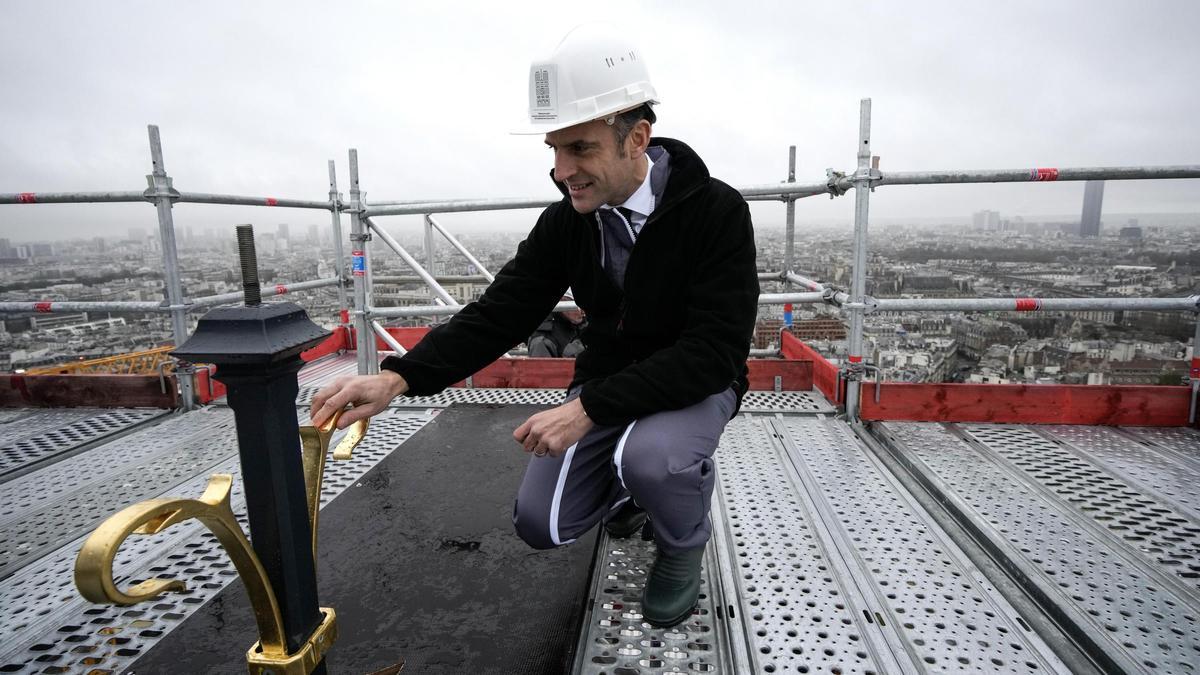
pixel 559 335
pixel 661 258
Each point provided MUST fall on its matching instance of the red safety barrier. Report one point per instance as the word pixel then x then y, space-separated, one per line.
pixel 1132 405
pixel 208 388
pixel 524 373
pixel 88 390
pixel 338 341
pixel 824 373
pixel 407 337
pixel 793 375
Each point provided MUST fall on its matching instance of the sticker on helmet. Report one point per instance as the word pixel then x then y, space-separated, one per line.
pixel 543 94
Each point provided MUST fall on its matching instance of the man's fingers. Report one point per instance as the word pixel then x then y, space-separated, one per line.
pixel 354 414
pixel 315 412
pixel 521 432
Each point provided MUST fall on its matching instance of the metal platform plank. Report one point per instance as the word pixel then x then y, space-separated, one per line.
pixel 793 603
pixel 47 624
pixel 946 614
pixel 1184 443
pixel 119 456
pixel 1164 537
pixel 615 639
pixel 48 524
pixel 32 436
pixel 325 370
pixel 1153 472
pixel 1106 598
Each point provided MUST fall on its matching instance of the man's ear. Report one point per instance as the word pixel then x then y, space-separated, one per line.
pixel 638 139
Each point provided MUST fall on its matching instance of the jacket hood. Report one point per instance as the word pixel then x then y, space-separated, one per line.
pixel 688 171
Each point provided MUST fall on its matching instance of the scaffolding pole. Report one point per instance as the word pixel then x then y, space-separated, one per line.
pixel 461 249
pixel 1194 371
pixel 1189 303
pixel 54 306
pixel 266 291
pixel 237 200
pixel 339 253
pixel 789 255
pixel 441 279
pixel 388 339
pixel 360 267
pixel 445 310
pixel 70 197
pixel 858 283
pixel 412 262
pixel 162 192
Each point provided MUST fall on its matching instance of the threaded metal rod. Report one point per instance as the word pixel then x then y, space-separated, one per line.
pixel 249 261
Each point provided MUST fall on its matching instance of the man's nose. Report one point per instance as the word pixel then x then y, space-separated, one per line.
pixel 564 168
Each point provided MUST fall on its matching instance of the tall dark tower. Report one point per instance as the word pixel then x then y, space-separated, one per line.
pixel 1093 201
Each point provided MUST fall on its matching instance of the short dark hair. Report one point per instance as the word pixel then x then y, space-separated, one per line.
pixel 624 122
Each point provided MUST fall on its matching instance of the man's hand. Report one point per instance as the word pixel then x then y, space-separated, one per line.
pixel 369 394
pixel 553 431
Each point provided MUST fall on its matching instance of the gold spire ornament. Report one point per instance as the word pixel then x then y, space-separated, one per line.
pixel 268 656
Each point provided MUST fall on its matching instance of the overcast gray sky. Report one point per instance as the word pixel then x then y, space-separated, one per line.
pixel 254 97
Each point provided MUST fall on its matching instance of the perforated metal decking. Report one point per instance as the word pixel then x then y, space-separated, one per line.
pixel 47 626
pixel 821 563
pixel 1096 524
pixel 913 548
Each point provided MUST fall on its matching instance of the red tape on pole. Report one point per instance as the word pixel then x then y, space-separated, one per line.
pixel 854 359
pixel 26 198
pixel 1028 304
pixel 271 201
pixel 1195 374
pixel 43 307
pixel 1043 174
pixel 280 289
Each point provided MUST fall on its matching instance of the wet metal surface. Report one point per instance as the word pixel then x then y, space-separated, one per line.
pixel 421 562
pixel 46 624
pixel 1078 529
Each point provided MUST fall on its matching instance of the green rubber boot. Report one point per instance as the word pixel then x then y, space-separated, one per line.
pixel 672 587
pixel 626 521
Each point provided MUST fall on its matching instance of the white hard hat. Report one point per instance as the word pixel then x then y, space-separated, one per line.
pixel 595 72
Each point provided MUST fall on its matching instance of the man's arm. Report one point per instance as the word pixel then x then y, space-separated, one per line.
pixel 524 292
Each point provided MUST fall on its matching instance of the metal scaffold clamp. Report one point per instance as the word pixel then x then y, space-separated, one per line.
pixel 833 180
pixel 160 187
pixel 365 236
pixel 830 295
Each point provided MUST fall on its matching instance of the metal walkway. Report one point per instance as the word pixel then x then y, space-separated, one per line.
pixel 46 624
pixel 908 548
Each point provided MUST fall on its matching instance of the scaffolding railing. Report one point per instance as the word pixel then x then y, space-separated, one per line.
pixel 359 306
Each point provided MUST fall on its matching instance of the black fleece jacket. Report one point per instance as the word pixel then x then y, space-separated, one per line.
pixel 679 332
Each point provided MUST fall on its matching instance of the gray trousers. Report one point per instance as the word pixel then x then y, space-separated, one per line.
pixel 663 461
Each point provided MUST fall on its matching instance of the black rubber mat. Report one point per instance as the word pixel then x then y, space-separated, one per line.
pixel 420 560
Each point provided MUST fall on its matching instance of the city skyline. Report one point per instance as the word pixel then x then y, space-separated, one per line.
pixel 256 102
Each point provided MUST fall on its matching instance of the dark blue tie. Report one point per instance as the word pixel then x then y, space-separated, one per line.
pixel 618 242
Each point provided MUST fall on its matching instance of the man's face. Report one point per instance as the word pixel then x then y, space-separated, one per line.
pixel 587 161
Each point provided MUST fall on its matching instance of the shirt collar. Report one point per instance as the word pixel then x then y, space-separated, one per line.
pixel 641 201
